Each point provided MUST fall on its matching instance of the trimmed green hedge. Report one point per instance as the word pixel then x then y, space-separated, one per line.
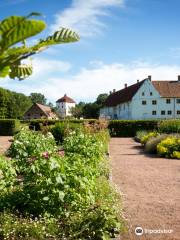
pixel 8 127
pixel 128 128
pixel 37 124
pixel 117 128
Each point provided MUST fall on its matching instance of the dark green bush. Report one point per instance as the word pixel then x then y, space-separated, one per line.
pixel 128 128
pixel 61 129
pixel 8 127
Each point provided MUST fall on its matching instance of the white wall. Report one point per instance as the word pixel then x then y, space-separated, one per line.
pixel 64 108
pixel 136 110
pixel 140 111
pixel 121 111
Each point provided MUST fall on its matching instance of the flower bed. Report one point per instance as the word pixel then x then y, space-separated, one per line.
pixel 58 194
pixel 163 144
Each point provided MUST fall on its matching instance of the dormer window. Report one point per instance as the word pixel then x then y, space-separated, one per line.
pixel 142 93
pixel 151 94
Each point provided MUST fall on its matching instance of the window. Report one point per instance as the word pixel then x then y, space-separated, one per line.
pixel 163 112
pixel 168 101
pixel 178 100
pixel 142 93
pixel 178 112
pixel 153 112
pixel 154 102
pixel 151 94
pixel 169 112
pixel 143 102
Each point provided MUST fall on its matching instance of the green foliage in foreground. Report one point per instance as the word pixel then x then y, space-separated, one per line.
pixel 14 31
pixel 59 194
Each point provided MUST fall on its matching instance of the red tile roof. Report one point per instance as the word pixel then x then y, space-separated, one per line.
pixel 66 99
pixel 46 110
pixel 124 95
pixel 167 88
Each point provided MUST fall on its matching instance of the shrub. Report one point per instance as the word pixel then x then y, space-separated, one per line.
pixel 169 147
pixel 169 126
pixel 28 145
pixel 71 190
pixel 8 127
pixel 148 136
pixel 128 128
pixel 151 145
pixel 61 130
pixel 140 134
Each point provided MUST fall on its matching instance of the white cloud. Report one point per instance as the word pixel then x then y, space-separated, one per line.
pixel 84 16
pixel 89 82
pixel 42 66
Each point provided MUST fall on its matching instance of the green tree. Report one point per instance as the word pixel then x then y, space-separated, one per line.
pixel 91 110
pixel 4 100
pixel 77 111
pixel 14 31
pixel 12 104
pixel 38 98
pixel 101 99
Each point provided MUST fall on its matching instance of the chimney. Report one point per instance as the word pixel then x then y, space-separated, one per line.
pixel 178 78
pixel 138 81
pixel 125 85
pixel 114 90
pixel 149 77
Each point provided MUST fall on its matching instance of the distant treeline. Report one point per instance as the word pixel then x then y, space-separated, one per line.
pixel 12 104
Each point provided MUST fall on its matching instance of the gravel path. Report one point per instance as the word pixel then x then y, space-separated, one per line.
pixel 5 143
pixel 150 187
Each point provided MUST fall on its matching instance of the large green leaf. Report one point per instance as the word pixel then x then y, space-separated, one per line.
pixel 20 71
pixel 4 71
pixel 15 29
pixel 64 35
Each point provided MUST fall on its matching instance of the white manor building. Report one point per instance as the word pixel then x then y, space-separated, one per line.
pixel 64 106
pixel 144 100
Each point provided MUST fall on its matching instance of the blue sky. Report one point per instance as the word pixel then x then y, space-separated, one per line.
pixel 121 41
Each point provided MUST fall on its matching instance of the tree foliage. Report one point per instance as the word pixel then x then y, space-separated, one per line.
pixel 14 31
pixel 38 98
pixel 89 110
pixel 12 104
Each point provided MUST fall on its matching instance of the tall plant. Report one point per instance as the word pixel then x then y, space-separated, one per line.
pixel 14 31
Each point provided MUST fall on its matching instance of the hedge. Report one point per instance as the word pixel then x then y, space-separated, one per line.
pixel 37 124
pixel 128 128
pixel 117 128
pixel 8 127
